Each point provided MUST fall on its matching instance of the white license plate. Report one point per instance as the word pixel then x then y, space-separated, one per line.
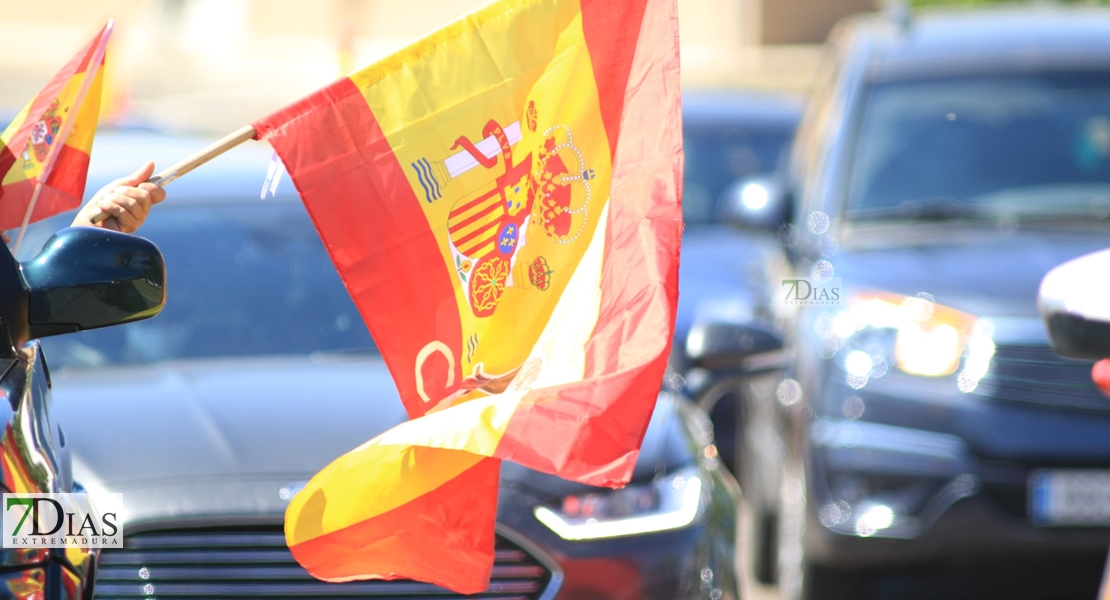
pixel 1070 497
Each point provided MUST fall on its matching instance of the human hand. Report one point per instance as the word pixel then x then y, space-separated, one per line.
pixel 127 201
pixel 1101 374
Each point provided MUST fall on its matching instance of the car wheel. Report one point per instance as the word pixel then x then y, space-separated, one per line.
pixel 798 578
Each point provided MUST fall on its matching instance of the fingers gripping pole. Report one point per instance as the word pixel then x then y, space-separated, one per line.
pixel 167 176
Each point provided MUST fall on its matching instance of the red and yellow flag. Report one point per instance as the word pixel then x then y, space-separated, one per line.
pixel 501 200
pixel 50 140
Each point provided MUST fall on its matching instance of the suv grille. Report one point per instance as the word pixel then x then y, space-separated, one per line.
pixel 1037 375
pixel 257 564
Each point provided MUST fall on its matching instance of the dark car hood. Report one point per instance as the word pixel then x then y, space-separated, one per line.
pixel 223 437
pixel 978 270
pixel 721 276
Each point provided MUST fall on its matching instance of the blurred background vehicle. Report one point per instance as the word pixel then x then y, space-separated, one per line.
pixel 728 137
pixel 945 162
pixel 82 279
pixel 260 372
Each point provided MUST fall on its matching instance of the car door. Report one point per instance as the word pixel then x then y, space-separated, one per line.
pixel 33 454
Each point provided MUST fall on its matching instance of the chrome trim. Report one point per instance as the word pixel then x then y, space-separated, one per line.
pixel 225 556
pixel 542 557
pixel 1018 330
pixel 875 448
pixel 777 359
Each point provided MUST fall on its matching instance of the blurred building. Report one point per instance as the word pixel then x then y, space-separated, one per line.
pixel 215 64
pixel 797 21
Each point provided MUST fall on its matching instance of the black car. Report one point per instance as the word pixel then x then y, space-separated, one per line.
pixel 945 162
pixel 259 372
pixel 83 278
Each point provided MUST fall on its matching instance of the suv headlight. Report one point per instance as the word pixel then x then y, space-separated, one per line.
pixel 668 502
pixel 918 335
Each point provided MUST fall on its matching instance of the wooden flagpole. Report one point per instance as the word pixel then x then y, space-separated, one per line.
pixel 167 176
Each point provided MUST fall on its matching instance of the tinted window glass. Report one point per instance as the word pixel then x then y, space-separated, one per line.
pixel 717 156
pixel 242 280
pixel 1023 143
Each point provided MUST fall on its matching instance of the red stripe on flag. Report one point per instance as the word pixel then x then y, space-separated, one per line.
pixel 7 161
pixel 639 280
pixel 62 192
pixel 50 92
pixel 612 44
pixel 445 537
pixel 471 204
pixel 375 231
pixel 478 215
pixel 87 53
pixel 477 232
pixel 69 174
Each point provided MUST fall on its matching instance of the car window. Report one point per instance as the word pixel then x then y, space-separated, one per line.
pixel 1020 143
pixel 717 156
pixel 242 280
pixel 835 82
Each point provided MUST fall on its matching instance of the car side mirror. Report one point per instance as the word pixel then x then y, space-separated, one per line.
pixel 761 202
pixel 734 347
pixel 1074 301
pixel 87 277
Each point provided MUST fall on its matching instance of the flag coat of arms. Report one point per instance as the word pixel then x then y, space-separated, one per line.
pixel 501 200
pixel 48 144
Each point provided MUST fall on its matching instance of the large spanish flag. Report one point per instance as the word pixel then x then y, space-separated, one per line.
pixel 50 140
pixel 501 200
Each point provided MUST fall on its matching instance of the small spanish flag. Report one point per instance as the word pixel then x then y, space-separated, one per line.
pixel 48 144
pixel 501 200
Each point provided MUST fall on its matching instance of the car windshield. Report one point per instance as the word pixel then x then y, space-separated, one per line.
pixel 1025 144
pixel 242 280
pixel 717 156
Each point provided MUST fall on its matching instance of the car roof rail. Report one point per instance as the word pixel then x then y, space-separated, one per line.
pixel 898 13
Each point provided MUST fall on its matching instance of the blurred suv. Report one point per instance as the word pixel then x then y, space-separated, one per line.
pixel 945 162
pixel 260 371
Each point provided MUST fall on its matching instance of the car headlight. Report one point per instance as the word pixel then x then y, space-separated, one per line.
pixel 920 336
pixel 669 502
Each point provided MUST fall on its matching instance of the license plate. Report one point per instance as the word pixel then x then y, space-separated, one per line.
pixel 1070 497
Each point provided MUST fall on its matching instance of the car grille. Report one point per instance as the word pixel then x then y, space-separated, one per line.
pixel 1037 375
pixel 257 564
